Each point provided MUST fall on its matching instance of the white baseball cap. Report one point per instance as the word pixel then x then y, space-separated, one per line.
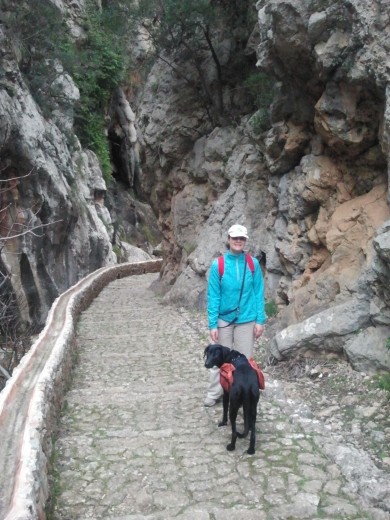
pixel 238 231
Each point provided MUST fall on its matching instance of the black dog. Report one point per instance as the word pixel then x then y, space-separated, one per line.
pixel 244 392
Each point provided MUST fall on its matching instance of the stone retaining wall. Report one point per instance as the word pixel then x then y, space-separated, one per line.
pixel 32 398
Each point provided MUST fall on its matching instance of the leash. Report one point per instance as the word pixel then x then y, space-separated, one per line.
pixel 237 309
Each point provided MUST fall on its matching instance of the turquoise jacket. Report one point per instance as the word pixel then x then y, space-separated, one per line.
pixel 223 294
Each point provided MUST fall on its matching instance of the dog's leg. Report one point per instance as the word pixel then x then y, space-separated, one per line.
pixel 247 417
pixel 252 425
pixel 225 409
pixel 233 416
pixel 252 440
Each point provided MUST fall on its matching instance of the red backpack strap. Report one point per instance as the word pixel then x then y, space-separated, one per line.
pixel 250 263
pixel 221 265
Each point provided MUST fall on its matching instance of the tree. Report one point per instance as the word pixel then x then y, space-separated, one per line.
pixel 189 31
pixel 98 65
pixel 97 61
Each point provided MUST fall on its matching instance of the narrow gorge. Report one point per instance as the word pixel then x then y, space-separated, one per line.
pixel 275 115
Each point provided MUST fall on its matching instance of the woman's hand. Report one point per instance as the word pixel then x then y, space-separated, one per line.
pixel 214 335
pixel 258 330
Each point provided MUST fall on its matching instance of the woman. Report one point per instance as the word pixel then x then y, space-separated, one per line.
pixel 235 303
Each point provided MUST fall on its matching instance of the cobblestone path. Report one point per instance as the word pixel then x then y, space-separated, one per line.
pixel 136 442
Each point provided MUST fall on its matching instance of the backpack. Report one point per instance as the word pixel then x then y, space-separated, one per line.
pixel 221 264
pixel 226 375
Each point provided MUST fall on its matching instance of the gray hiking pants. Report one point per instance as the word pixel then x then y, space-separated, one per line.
pixel 240 337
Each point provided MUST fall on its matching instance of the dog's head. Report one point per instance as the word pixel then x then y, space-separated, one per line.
pixel 215 355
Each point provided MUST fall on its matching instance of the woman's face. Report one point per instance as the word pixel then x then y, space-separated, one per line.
pixel 237 244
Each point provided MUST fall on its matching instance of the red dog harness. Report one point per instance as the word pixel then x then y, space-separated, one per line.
pixel 226 375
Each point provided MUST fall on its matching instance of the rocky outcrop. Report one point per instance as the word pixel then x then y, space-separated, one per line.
pixel 54 226
pixel 312 188
pixel 345 178
pixel 57 220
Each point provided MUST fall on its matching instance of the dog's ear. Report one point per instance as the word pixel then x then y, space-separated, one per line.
pixel 206 351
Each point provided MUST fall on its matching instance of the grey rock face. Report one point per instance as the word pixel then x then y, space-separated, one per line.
pixel 312 189
pixel 57 220
pixel 382 242
pixel 367 351
pixel 55 228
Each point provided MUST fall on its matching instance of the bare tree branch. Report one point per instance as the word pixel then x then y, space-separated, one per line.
pixel 15 178
pixel 18 229
pixel 29 230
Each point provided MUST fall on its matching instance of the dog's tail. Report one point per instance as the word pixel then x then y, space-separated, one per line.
pixel 244 434
pixel 249 412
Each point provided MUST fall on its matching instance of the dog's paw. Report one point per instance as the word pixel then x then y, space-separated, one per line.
pixel 222 423
pixel 250 451
pixel 231 447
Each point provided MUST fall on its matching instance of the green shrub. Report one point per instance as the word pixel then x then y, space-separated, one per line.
pixel 119 253
pixel 91 126
pixel 271 308
pixel 384 382
pixel 97 68
pixel 261 87
pixel 260 121
pixel 97 64
pixel 37 32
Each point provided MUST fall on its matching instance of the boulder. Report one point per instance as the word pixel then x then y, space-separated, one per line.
pixel 367 351
pixel 323 333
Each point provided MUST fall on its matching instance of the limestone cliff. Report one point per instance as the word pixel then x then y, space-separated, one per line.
pixel 312 188
pixel 58 222
pixel 310 182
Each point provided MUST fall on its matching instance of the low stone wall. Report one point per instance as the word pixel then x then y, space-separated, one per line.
pixel 32 398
